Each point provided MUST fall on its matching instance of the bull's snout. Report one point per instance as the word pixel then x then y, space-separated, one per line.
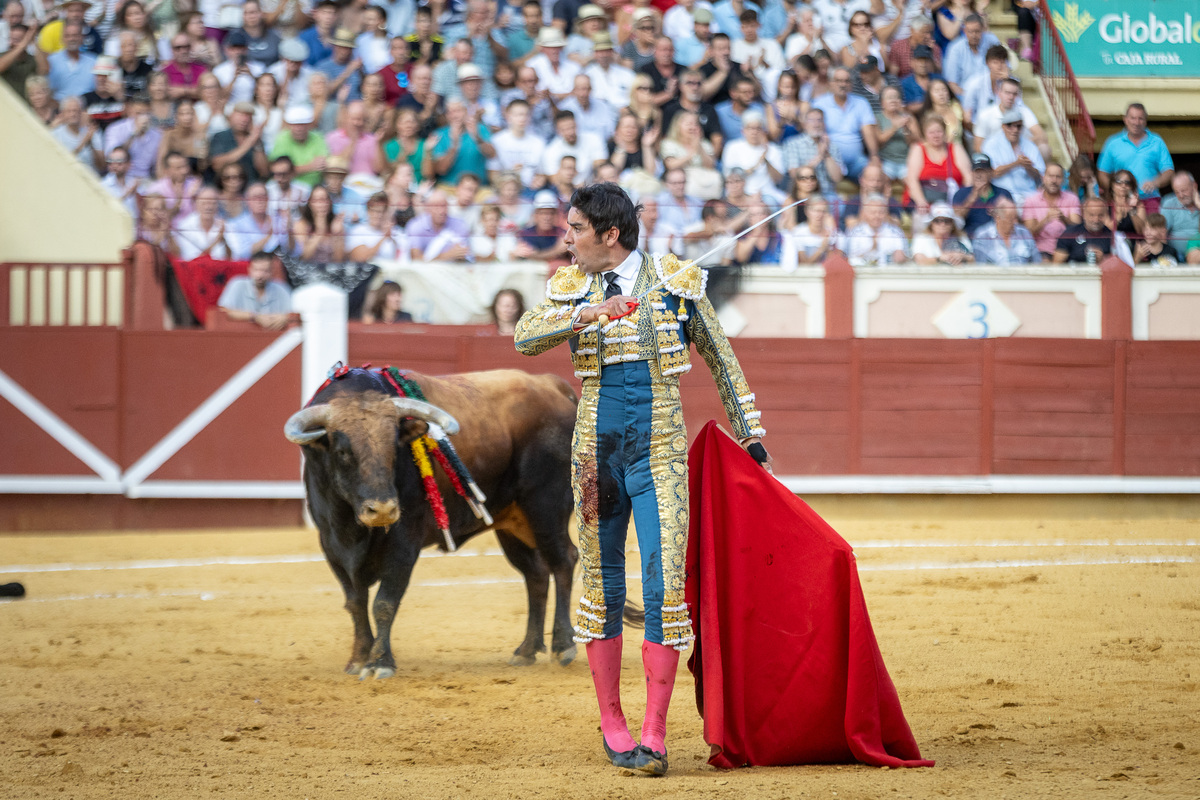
pixel 379 513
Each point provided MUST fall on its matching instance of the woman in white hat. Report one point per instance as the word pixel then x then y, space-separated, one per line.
pixel 943 241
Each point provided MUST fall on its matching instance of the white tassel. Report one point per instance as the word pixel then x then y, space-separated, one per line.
pixel 586 351
pixel 677 370
pixel 749 398
pixel 753 415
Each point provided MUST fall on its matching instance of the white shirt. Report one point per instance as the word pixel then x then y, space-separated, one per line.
pixel 242 233
pixel 835 20
pixel 513 152
pixel 559 81
pixel 864 245
pixel 743 53
pixel 374 51
pixel 243 85
pixel 599 117
pixel 288 207
pixel 740 153
pixel 611 85
pixel 394 248
pixel 627 273
pixel 588 149
pixel 297 90
pixel 987 121
pixel 678 22
pixel 192 240
pixel 118 191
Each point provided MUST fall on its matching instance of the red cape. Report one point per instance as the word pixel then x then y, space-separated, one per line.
pixel 786 665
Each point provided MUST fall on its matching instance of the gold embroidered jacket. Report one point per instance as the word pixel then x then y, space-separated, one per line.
pixel 660 330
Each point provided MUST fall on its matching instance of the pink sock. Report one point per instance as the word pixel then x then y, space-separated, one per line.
pixel 660 663
pixel 604 659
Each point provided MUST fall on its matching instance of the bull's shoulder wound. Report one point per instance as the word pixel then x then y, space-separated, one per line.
pixel 568 283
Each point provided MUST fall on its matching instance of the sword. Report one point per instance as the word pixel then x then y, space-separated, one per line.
pixel 605 319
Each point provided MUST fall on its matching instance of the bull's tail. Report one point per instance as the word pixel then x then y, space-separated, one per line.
pixel 634 615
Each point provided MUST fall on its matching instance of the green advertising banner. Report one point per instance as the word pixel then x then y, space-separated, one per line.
pixel 1130 38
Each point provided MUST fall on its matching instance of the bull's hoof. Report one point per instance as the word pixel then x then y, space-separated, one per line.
pixel 519 660
pixel 565 657
pixel 379 673
pixel 354 668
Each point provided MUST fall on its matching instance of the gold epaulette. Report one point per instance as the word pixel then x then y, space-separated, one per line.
pixel 568 283
pixel 682 278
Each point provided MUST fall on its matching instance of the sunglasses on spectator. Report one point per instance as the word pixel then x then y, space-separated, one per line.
pixel 645 27
pixel 184 46
pixel 691 83
pixel 807 177
pixel 1014 124
pixel 1124 182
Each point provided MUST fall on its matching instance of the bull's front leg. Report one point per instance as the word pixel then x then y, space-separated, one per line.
pixel 401 556
pixel 356 604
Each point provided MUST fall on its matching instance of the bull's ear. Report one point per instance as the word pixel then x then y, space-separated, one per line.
pixel 410 429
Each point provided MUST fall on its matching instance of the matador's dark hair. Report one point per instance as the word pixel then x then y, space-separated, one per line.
pixel 606 206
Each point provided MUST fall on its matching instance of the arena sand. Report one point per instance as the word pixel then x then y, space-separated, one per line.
pixel 1027 666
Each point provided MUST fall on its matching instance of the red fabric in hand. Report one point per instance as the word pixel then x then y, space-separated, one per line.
pixel 786 665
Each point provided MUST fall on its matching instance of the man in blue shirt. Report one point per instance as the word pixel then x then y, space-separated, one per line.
pixel 850 122
pixel 1141 152
pixel 71 68
pixel 974 203
pixel 915 85
pixel 317 37
pixel 731 111
pixel 727 12
pixel 966 55
pixel 341 67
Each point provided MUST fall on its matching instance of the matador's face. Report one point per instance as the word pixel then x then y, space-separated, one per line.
pixel 589 250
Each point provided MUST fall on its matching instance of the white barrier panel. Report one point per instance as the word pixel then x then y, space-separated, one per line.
pixel 1166 303
pixel 977 302
pixel 324 312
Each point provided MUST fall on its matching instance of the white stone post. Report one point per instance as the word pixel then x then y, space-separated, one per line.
pixel 324 312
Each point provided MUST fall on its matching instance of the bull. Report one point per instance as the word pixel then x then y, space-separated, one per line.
pixel 367 499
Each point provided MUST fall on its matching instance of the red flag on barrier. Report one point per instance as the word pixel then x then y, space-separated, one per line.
pixel 786 665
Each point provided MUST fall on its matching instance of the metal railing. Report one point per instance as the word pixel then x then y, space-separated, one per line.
pixel 63 295
pixel 1062 88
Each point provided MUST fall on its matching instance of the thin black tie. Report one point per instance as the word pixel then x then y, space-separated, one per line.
pixel 611 289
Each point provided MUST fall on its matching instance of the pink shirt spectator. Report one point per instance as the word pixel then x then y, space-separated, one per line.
pixel 163 186
pixel 361 158
pixel 1037 208
pixel 185 74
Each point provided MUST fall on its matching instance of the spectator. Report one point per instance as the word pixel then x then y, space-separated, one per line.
pixel 373 46
pixel 134 71
pixel 103 104
pixel 1082 178
pixel 941 102
pixel 201 49
pixel 395 74
pixel 1193 251
pixel 638 50
pixel 556 74
pixel 869 83
pixel 1128 210
pixel 902 54
pixel 1004 240
pixel 813 150
pixel 700 237
pixel 517 149
pixel 897 129
pixel 236 73
pixel 70 72
pixel 783 113
pixel 470 90
pixel 41 99
pixel 178 186
pixel 590 21
pixel 691 98
pixel 1017 161
pixel 973 202
pixel 463 203
pixel 267 109
pixel 862 44
pixel 353 143
pixel 342 68
pixel 731 112
pixel 936 168
pixel 186 138
pixel 464 145
pixel 611 81
pixel 379 237
pixel 942 241
pixel 291 72
pixel 631 148
pixel 966 55
pixel 654 237
pixel 594 115
pixel 543 240
pixel 1008 98
pixel 182 71
pixel 915 85
pixel 202 232
pixel 507 308
pixel 262 40
pixel 516 212
pixel 951 16
pixel 1154 248
pixel 488 241
pixel 154 225
pixel 210 109
pixel 424 43
pixel 541 113
pixel 522 41
pixel 138 137
pixel 53 35
pixel 761 160
pixel 648 114
pixel 119 183
pixel 563 182
pixel 255 229
pixel 132 18
pixel 811 240
pixel 686 148
pixel 1140 151
pixel 305 147
pixel 875 240
pixel 806 188
pixel 678 19
pixel 1048 212
pixel 587 148
pixel 346 201
pixel 805 35
pixel 286 193
pixel 850 122
pixel 720 72
pixel 317 37
pixel 231 183
pixel 437 236
pixel 676 208
pixel 1182 211
pixel 387 307
pixel 80 136
pixel 764 245
pixel 241 144
pixel 162 105
pixel 981 89
pixel 319 233
pixel 872 181
pixel 736 198
pixel 1089 241
pixel 445 73
pixel 691 45
pixel 761 56
pixel 256 298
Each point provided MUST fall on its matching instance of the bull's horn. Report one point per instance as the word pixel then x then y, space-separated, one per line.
pixel 307 424
pixel 430 413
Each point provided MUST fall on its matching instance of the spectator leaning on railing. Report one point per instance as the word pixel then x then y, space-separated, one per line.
pixel 1004 240
pixel 255 297
pixel 1182 211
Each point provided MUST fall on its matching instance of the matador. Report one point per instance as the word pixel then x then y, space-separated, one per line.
pixel 630 319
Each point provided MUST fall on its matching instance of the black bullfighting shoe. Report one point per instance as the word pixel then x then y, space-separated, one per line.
pixel 626 759
pixel 650 761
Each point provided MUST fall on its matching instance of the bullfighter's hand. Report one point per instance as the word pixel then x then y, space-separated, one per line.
pixel 612 307
pixel 768 465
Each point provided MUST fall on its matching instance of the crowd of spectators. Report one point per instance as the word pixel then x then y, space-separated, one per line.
pixel 455 130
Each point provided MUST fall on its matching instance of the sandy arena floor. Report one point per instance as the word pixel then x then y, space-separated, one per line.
pixel 1036 655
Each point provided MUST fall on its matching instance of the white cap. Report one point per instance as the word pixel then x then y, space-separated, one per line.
pixel 298 115
pixel 468 72
pixel 545 199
